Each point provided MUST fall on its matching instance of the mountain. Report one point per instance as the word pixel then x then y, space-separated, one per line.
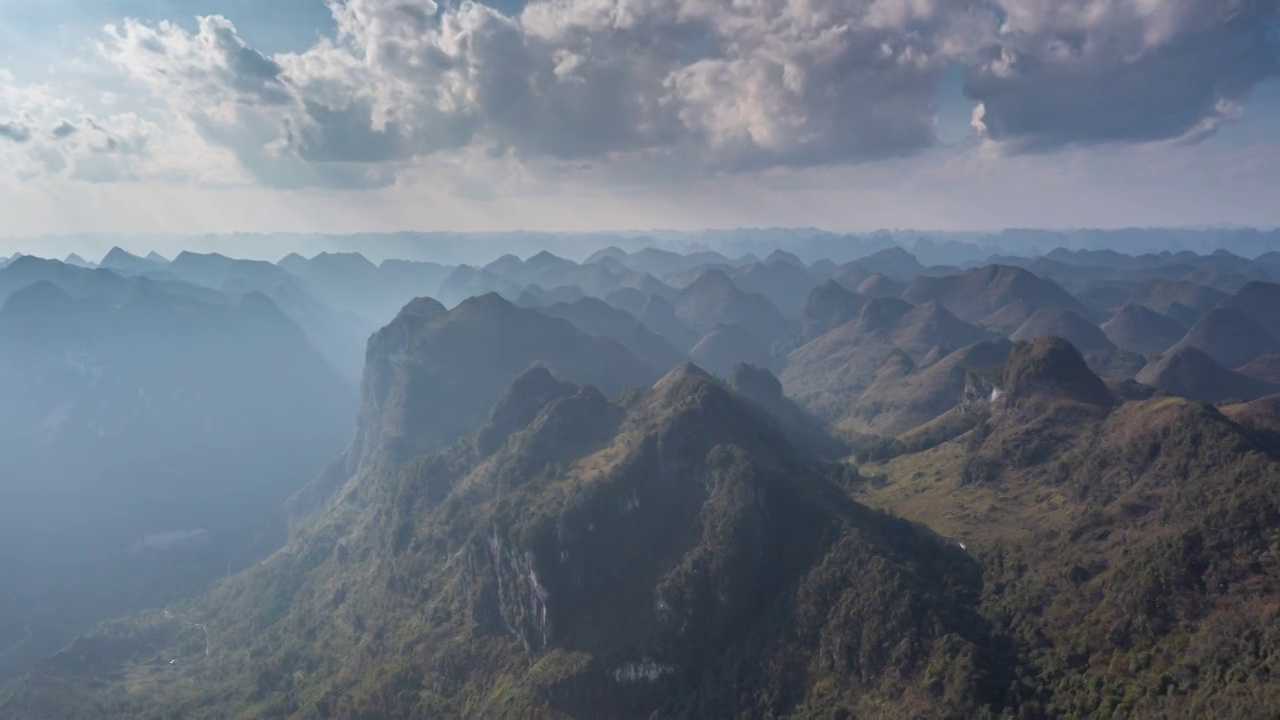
pixel 881 286
pixel 609 263
pixel 1071 277
pixel 613 253
pixel 673 556
pixel 823 269
pixel 1270 262
pixel 1051 368
pixel 538 297
pixel 209 279
pixel 896 262
pixel 782 256
pixel 978 293
pixel 232 274
pixel 1009 318
pixel 428 359
pixel 1106 297
pixel 77 261
pixel 803 431
pixel 1102 355
pixel 786 284
pixel 131 416
pixel 1258 300
pixel 713 300
pixel 660 316
pixel 727 346
pixel 828 306
pixel 918 517
pixel 851 275
pixel 126 262
pixel 944 252
pixel 1230 336
pixel 1261 416
pixel 505 265
pixel 1143 330
pixel 664 263
pixel 598 318
pixel 685 278
pixel 416 278
pixel 630 300
pixel 1265 368
pixel 1163 296
pixel 339 336
pixel 465 281
pixel 101 284
pixel 550 271
pixel 1057 322
pixel 1227 282
pixel 647 284
pixel 903 398
pixel 1191 373
pixel 826 374
pixel 350 281
pixel 1131 529
pixel 340 267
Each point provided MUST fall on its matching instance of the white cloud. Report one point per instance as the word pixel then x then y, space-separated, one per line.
pixel 715 85
pixel 649 88
pixel 52 135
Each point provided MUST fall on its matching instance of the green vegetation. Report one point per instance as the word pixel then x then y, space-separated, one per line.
pixel 1051 546
pixel 1130 553
pixel 674 558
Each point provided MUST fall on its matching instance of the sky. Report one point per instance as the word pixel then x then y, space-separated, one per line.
pixel 212 116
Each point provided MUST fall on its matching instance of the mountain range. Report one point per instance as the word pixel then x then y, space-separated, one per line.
pixel 647 484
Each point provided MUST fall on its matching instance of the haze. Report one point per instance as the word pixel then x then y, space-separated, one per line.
pixel 636 359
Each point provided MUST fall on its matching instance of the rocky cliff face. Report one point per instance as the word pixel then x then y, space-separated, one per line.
pixel 432 375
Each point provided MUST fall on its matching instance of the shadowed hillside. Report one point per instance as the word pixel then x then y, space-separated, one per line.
pixel 829 372
pixel 978 293
pixel 1229 336
pixel 1143 330
pixel 133 419
pixel 603 561
pixel 1192 373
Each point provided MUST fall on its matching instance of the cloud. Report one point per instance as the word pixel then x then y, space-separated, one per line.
pixel 1083 71
pixel 213 63
pixel 699 87
pixel 51 136
pixel 64 129
pixel 721 86
pixel 46 141
pixel 18 130
pixel 108 150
